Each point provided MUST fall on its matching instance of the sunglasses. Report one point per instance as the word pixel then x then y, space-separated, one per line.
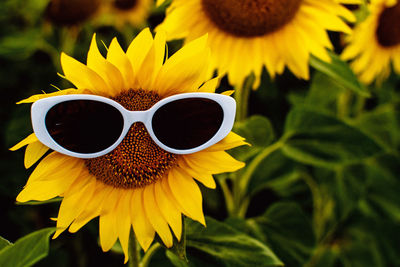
pixel 89 126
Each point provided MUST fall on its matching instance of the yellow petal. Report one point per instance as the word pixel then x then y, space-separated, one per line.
pixel 34 151
pixel 74 202
pixel 139 49
pixel 213 162
pixel 52 185
pixel 111 75
pixel 83 77
pixel 124 221
pixel 187 194
pixel 228 92
pixel 108 220
pixel 55 166
pixel 205 178
pixel 160 2
pixel 170 213
pixel 209 86
pixel 144 232
pixel 155 217
pixel 28 140
pixel 152 63
pixel 107 231
pixel 117 57
pixel 230 141
pixel 167 191
pixel 93 207
pixel 34 98
pixel 179 74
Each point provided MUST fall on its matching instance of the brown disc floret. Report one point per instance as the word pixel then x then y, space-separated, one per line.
pixel 137 161
pixel 250 18
pixel 388 31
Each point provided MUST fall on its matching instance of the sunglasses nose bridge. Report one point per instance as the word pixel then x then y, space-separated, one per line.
pixel 137 116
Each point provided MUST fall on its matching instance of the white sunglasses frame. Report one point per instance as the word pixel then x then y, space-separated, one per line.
pixel 40 108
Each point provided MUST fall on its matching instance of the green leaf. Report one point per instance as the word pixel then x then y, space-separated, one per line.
pixel 289 232
pixel 4 243
pixel 228 247
pixel 382 125
pixel 31 11
pixel 175 260
pixel 364 248
pixel 20 45
pixel 27 250
pixel 341 73
pixel 323 93
pixel 258 131
pixel 315 138
pixel 382 195
pixel 349 188
pixel 276 172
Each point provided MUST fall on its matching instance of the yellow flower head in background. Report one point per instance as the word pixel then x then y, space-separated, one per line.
pixel 246 35
pixel 121 12
pixel 375 43
pixel 138 184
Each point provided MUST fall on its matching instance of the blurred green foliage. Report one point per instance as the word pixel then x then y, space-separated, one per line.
pixel 321 186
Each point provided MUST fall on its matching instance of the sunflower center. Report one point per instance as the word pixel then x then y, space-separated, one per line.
pixel 137 161
pixel 249 18
pixel 70 12
pixel 124 4
pixel 388 31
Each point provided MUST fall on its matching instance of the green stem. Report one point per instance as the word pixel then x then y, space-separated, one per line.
pixel 317 202
pixel 343 104
pixel 242 98
pixel 359 105
pixel 240 185
pixel 149 253
pixel 68 40
pixel 134 252
pixel 250 169
pixel 230 205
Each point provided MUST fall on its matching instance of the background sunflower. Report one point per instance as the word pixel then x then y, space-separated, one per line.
pixel 247 35
pixel 375 44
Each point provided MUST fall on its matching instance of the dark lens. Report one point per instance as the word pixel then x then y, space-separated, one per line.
pixel 187 123
pixel 84 126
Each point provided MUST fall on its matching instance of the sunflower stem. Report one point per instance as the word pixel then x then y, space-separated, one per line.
pixel 242 97
pixel 134 252
pixel 359 105
pixel 149 253
pixel 253 165
pixel 229 201
pixel 344 104
pixel 68 40
pixel 241 201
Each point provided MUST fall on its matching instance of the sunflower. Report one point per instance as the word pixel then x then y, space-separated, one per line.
pixel 121 12
pixel 375 42
pixel 245 35
pixel 138 184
